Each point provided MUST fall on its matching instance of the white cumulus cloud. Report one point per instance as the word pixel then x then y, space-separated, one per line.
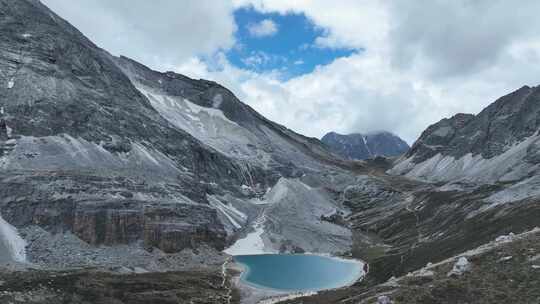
pixel 264 28
pixel 416 62
pixel 160 34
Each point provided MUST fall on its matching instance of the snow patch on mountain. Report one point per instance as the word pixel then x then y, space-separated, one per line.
pixel 364 139
pixel 291 220
pixel 12 246
pixel 253 242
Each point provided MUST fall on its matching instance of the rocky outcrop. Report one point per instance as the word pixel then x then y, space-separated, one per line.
pixel 436 138
pixel 507 121
pixel 360 146
pixel 101 211
pixel 173 228
pixel 498 144
pixel 297 220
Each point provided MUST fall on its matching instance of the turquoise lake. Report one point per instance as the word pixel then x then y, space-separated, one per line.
pixel 297 272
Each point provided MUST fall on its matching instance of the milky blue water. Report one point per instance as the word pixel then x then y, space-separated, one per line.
pixel 292 272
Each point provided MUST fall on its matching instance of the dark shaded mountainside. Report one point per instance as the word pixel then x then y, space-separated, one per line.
pixel 360 146
pixel 123 184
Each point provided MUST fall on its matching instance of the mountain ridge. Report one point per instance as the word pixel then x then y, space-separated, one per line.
pixel 363 146
pixel 501 139
pixel 119 154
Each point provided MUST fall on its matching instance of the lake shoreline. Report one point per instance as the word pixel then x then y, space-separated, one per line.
pixel 257 293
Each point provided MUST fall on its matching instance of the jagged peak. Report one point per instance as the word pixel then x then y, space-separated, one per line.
pixel 365 134
pixel 364 146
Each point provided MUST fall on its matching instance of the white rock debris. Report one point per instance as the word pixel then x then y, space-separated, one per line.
pixel 9 131
pixel 507 166
pixel 65 151
pixel 140 270
pixel 424 273
pixel 246 189
pixel 393 281
pixel 253 242
pixel 461 266
pixel 506 258
pixel 10 83
pixel 12 246
pixel 505 238
pixel 217 100
pixel 233 215
pixel 384 300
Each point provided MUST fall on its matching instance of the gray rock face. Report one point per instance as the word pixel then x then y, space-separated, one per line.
pixel 213 115
pixel 507 121
pixel 298 220
pixel 58 82
pixel 116 153
pixel 78 136
pixel 498 144
pixel 360 146
pixel 105 162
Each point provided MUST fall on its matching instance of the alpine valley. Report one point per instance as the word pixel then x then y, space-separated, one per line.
pixel 121 184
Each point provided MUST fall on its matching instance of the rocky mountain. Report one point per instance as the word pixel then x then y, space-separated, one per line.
pixel 499 144
pixel 118 154
pixel 88 151
pixel 360 146
pixel 120 184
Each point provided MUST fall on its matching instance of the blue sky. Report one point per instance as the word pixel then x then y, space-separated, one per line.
pixel 290 51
